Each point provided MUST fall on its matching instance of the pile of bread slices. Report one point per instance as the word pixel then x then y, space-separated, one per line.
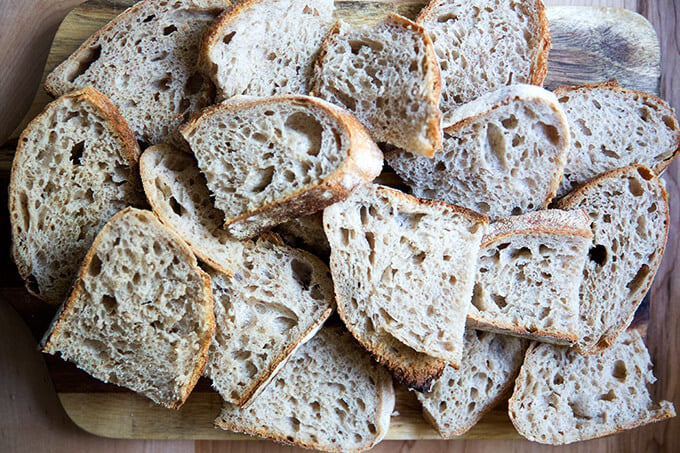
pixel 524 231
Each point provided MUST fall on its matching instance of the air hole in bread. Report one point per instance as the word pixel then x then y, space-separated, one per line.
pixel 640 278
pixel 447 17
pixel 228 37
pixel 77 153
pixel 549 131
pixel 89 57
pixel 598 254
pixel 162 84
pixel 175 206
pixel 620 371
pixel 264 178
pixel 95 266
pixel 302 273
pixel 510 123
pixel 522 252
pixel 170 29
pixel 194 83
pixel 558 379
pixel 496 140
pixel 499 300
pixel 311 11
pixel 149 18
pixel 305 131
pixel 109 303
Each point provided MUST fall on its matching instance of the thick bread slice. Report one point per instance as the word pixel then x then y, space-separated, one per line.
pixel 461 397
pixel 330 396
pixel 274 159
pixel 404 266
pixel 529 273
pixel 486 44
pixel 306 233
pixel 387 75
pixel 141 312
pixel 75 167
pixel 277 299
pixel 503 155
pixel 629 210
pixel 179 196
pixel 562 397
pixel 144 60
pixel 612 127
pixel 265 47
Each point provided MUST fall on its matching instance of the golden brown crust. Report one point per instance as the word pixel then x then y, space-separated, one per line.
pixel 539 67
pixel 213 33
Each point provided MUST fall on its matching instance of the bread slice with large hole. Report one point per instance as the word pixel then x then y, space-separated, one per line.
pixel 562 397
pixel 330 396
pixel 74 168
pixel 141 312
pixel 273 159
pixel 630 220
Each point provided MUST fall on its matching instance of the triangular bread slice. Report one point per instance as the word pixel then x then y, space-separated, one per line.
pixel 330 396
pixel 273 159
pixel 387 75
pixel 460 398
pixel 612 127
pixel 503 154
pixel 562 397
pixel 144 60
pixel 629 210
pixel 528 276
pixel 141 312
pixel 404 266
pixel 75 167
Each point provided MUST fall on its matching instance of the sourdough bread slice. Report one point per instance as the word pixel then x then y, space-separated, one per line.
pixel 629 210
pixel 144 60
pixel 612 127
pixel 141 312
pixel 404 266
pixel 503 154
pixel 562 397
pixel 486 44
pixel 461 397
pixel 387 75
pixel 274 159
pixel 75 167
pixel 265 47
pixel 330 396
pixel 529 272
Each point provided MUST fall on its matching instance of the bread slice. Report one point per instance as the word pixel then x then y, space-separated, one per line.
pixel 387 75
pixel 529 273
pixel 141 312
pixel 612 127
pixel 277 299
pixel 486 44
pixel 503 154
pixel 274 159
pixel 404 266
pixel 75 167
pixel 265 47
pixel 330 396
pixel 306 233
pixel 144 60
pixel 562 397
pixel 629 210
pixel 461 397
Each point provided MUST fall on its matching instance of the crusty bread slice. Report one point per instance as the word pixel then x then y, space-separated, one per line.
pixel 265 47
pixel 141 312
pixel 274 159
pixel 461 397
pixel 562 397
pixel 528 275
pixel 306 233
pixel 330 396
pixel 629 210
pixel 144 60
pixel 404 266
pixel 75 167
pixel 277 299
pixel 387 75
pixel 612 127
pixel 486 44
pixel 503 154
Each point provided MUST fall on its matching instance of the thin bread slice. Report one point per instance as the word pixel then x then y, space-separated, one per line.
pixel 562 397
pixel 144 60
pixel 330 396
pixel 629 210
pixel 407 266
pixel 613 127
pixel 273 159
pixel 503 154
pixel 265 47
pixel 75 167
pixel 387 75
pixel 460 398
pixel 141 312
pixel 486 44
pixel 528 275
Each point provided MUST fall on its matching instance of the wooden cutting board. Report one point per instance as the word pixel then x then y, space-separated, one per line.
pixel 589 44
